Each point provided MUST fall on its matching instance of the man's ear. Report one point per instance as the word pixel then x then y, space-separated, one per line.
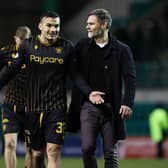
pixel 14 38
pixel 104 25
pixel 39 26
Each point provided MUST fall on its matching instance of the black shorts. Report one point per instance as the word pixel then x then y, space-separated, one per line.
pixel 12 118
pixel 45 127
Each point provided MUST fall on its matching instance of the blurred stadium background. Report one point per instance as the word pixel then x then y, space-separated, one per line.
pixel 142 24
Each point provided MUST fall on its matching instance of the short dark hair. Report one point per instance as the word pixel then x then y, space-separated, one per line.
pixel 102 15
pixel 23 32
pixel 51 14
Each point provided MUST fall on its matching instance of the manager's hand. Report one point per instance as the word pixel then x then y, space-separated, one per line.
pixel 125 111
pixel 95 97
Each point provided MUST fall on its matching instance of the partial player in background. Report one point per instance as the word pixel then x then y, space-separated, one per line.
pixel 13 112
pixel 158 124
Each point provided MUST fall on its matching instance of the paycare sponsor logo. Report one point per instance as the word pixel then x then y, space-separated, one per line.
pixel 45 60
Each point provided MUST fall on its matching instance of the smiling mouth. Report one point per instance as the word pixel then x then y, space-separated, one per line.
pixel 53 34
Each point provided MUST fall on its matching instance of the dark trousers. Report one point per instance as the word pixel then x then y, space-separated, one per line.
pixel 97 119
pixel 160 152
pixel 159 145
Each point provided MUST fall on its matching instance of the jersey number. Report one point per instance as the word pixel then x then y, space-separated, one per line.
pixel 60 127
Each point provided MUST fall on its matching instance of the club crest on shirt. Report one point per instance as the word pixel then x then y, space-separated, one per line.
pixel 35 47
pixel 15 55
pixel 58 50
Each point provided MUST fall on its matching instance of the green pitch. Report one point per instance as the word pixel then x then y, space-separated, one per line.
pixel 129 163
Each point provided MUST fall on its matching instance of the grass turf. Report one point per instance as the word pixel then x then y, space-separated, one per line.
pixel 126 163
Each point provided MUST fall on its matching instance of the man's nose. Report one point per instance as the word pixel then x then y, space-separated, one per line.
pixel 53 28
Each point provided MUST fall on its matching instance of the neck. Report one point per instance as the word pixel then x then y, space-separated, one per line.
pixel 46 41
pixel 102 39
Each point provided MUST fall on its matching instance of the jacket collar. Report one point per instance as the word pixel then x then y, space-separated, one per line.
pixel 112 41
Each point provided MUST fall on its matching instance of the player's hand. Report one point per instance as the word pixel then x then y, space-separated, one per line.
pixel 95 97
pixel 125 111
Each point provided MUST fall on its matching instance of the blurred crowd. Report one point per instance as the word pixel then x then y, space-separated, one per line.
pixel 147 36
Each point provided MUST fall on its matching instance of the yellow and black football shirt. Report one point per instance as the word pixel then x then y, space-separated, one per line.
pixel 46 68
pixel 15 92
